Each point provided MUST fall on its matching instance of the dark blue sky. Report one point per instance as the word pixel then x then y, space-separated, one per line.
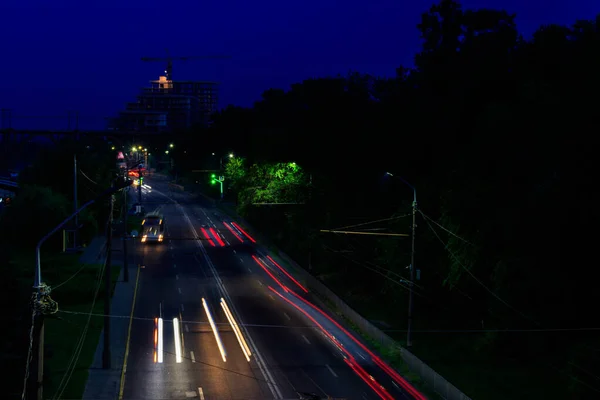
pixel 84 55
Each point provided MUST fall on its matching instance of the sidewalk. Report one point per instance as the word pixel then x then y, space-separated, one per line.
pixel 105 383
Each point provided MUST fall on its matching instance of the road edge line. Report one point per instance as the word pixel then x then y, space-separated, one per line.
pixel 124 368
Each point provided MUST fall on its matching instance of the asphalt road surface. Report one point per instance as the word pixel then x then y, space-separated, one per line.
pixel 207 260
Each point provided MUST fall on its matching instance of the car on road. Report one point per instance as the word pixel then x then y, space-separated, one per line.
pixel 153 228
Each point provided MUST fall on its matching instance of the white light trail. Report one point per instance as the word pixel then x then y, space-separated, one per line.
pixel 236 330
pixel 160 340
pixel 214 329
pixel 177 340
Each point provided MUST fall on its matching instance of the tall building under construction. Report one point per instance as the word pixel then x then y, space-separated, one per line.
pixel 169 106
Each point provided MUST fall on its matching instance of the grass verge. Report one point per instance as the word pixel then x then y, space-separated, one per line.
pixel 63 331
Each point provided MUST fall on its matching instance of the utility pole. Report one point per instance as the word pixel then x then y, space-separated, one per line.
pixel 75 205
pixel 108 286
pixel 125 233
pixel 412 260
pixel 412 270
pixel 140 186
pixel 43 304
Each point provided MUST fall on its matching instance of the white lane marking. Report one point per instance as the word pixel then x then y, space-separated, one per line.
pixel 363 357
pixel 306 339
pixel 229 244
pixel 234 252
pixel 201 393
pixel 179 289
pixel 331 370
pixel 187 328
pixel 182 309
pixel 241 259
pixel 364 396
pixel 271 296
pixel 249 270
pixel 395 384
pixel 192 355
pixel 287 316
pixel 176 277
pixel 261 284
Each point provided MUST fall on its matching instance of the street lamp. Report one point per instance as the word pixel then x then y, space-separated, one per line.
pixel 220 179
pixel 43 302
pixel 171 145
pixel 412 260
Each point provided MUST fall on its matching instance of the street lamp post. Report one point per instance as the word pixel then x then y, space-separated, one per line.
pixel 220 179
pixel 42 300
pixel 412 260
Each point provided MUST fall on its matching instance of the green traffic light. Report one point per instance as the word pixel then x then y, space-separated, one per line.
pixel 213 175
pixel 213 181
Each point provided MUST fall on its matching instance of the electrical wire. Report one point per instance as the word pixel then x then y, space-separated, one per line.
pixel 78 348
pixel 399 283
pixel 447 230
pixel 29 351
pixel 370 222
pixel 276 326
pixel 468 271
pixel 87 177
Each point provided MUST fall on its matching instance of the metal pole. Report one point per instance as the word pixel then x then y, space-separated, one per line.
pixel 125 234
pixel 75 201
pixel 140 186
pixel 108 287
pixel 412 271
pixel 38 374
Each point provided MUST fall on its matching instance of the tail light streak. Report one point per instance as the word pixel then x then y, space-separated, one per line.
pixel 216 236
pixel 207 237
pixel 233 232
pixel 215 331
pixel 348 358
pixel 393 374
pixel 287 274
pixel 236 330
pixel 243 232
pixel 155 338
pixel 285 289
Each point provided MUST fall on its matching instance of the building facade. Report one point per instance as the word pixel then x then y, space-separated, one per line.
pixel 169 105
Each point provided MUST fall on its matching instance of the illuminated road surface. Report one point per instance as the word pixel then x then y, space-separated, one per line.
pixel 219 318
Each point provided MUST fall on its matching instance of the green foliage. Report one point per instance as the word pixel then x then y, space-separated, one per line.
pixel 269 183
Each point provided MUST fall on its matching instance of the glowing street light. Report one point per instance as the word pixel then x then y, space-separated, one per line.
pixel 134 148
pixel 220 179
pixel 166 151
pixel 230 155
pixel 171 145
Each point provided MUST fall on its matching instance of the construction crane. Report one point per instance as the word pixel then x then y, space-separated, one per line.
pixel 169 60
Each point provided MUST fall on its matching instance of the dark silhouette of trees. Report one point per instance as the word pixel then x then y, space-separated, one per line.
pixel 497 134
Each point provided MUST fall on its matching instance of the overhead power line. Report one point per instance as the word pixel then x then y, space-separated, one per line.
pixel 364 233
pixel 468 271
pixel 372 222
pixel 277 326
pixel 447 230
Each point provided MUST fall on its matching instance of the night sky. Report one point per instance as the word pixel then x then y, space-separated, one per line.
pixel 60 55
